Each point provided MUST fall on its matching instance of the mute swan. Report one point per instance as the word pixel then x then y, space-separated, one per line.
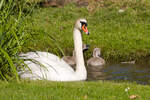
pixel 50 67
pixel 71 59
pixel 96 60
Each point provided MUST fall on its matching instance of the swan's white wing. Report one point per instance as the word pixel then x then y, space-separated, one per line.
pixel 46 65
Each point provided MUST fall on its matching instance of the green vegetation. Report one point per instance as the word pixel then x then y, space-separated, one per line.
pixel 121 36
pixel 13 34
pixel 44 90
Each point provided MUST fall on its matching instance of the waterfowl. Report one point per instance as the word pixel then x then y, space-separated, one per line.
pixel 47 66
pixel 71 59
pixel 96 60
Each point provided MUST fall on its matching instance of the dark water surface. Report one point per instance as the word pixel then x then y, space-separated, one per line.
pixel 139 73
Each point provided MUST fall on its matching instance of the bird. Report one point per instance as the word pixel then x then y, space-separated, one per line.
pixel 96 60
pixel 71 59
pixel 47 66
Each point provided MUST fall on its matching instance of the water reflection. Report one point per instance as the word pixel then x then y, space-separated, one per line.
pixel 139 73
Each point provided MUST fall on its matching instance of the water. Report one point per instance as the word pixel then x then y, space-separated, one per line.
pixel 139 73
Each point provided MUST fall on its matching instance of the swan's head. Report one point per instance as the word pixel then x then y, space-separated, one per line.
pixel 81 24
pixel 96 52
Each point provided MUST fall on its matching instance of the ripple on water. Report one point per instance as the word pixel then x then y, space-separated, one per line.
pixel 139 73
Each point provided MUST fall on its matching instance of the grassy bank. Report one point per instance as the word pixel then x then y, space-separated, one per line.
pixel 43 90
pixel 121 36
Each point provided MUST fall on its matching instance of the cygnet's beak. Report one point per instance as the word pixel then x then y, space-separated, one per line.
pixel 84 28
pixel 86 47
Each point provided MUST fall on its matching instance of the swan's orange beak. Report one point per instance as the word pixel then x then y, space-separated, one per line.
pixel 84 28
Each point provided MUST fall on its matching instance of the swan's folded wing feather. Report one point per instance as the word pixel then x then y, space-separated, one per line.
pixel 45 65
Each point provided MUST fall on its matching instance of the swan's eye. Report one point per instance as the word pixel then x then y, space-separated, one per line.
pixel 83 23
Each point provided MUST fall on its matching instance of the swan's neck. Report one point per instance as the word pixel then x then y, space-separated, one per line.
pixel 80 67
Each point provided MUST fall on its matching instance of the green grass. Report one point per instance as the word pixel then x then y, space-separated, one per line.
pixel 121 36
pixel 44 90
pixel 13 34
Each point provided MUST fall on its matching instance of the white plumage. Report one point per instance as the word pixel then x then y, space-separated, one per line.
pixel 44 65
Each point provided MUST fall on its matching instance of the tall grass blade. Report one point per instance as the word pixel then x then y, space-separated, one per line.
pixel 10 63
pixel 13 34
pixel 55 42
pixel 1 4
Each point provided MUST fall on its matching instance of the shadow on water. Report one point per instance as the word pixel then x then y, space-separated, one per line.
pixel 139 73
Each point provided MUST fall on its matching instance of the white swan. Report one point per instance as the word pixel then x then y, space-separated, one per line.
pixel 71 59
pixel 50 67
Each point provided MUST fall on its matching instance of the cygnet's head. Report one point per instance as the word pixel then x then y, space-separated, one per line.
pixel 96 52
pixel 81 24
